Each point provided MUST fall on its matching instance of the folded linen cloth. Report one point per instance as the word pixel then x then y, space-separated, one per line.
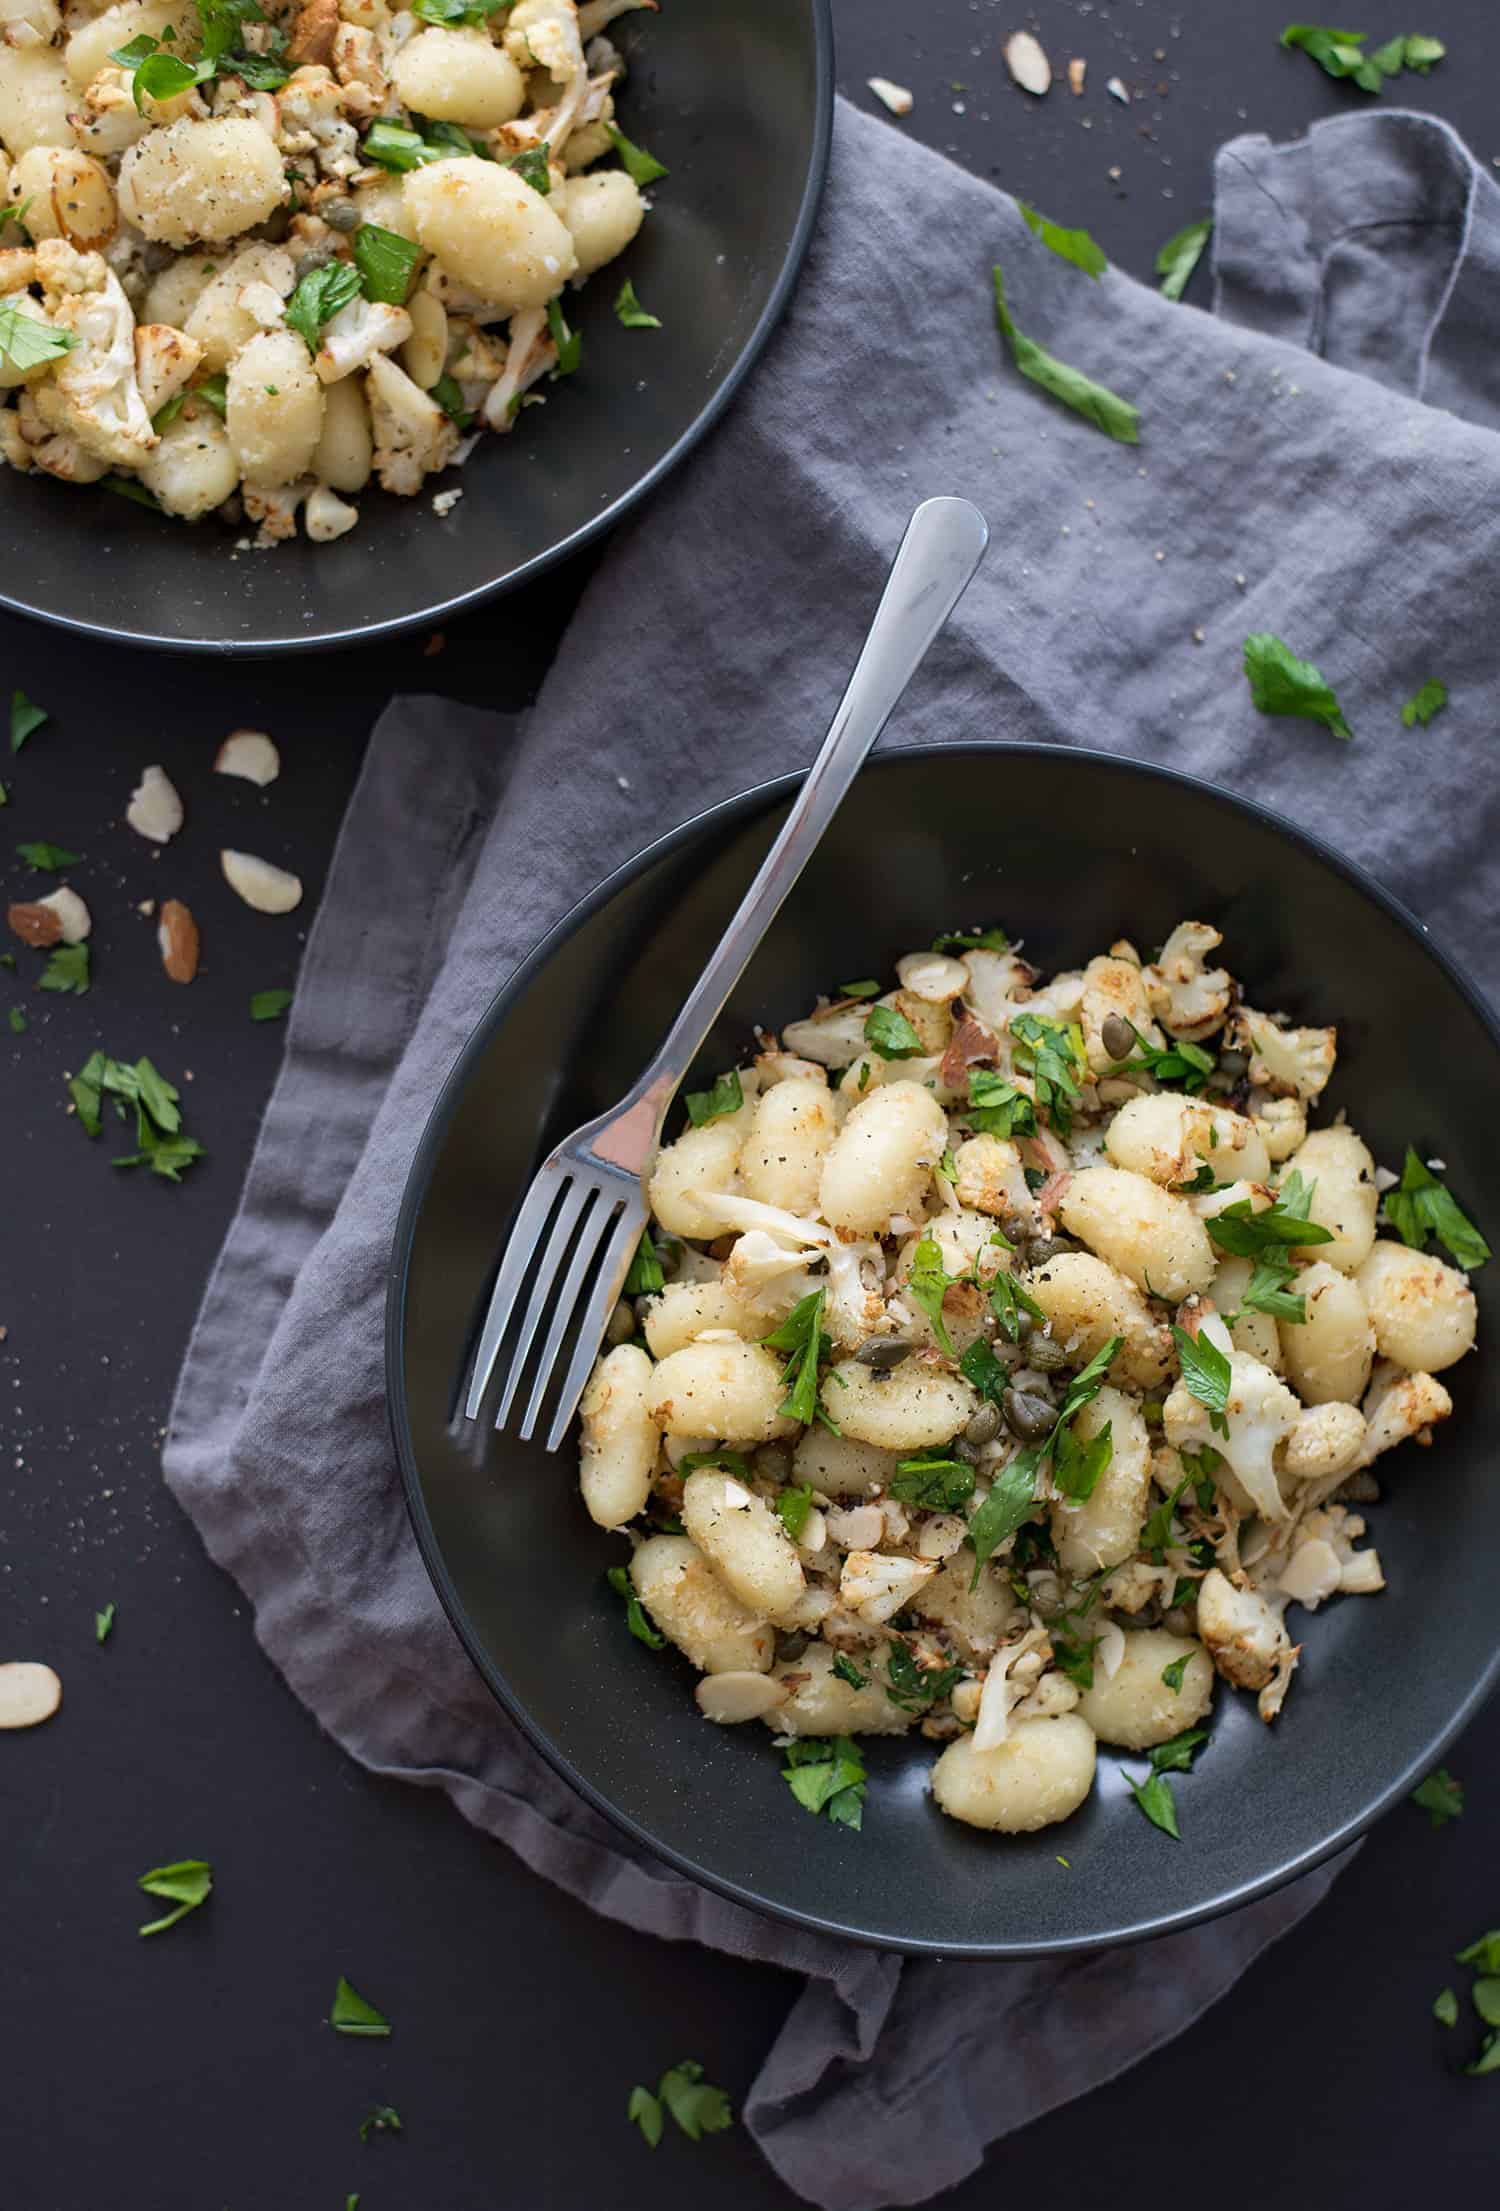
pixel 1271 490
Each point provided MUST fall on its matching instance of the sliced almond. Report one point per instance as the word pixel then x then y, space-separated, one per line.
pixel 894 96
pixel 249 753
pixel 155 810
pixel 1077 70
pixel 177 935
pixel 71 912
pixel 36 922
pixel 29 1693
pixel 270 890
pixel 1027 63
pixel 730 1698
pixel 1117 91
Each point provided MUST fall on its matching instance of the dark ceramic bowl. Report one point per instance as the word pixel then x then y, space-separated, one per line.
pixel 1070 850
pixel 736 97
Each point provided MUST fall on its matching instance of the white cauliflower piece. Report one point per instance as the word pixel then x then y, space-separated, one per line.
pixel 328 516
pixel 93 395
pixel 353 337
pixel 528 354
pixel 310 112
pixel 1242 1631
pixel 1398 1405
pixel 56 452
pixel 413 437
pixel 1188 999
pixel 999 985
pixel 107 120
pixel 164 360
pixel 834 1036
pixel 543 34
pixel 875 1585
pixel 1260 1410
pixel 274 508
pixel 1324 1440
pixel 1312 1573
pixel 1289 1062
pixel 1282 1123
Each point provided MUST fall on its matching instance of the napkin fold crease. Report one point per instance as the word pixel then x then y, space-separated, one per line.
pixel 1295 474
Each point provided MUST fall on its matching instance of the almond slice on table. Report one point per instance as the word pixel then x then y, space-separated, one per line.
pixel 893 96
pixel 1027 63
pixel 177 937
pixel 155 810
pixel 29 1693
pixel 270 890
pixel 250 754
pixel 59 918
pixel 1077 71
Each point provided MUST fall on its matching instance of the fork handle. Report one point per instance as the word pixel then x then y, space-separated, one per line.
pixel 943 545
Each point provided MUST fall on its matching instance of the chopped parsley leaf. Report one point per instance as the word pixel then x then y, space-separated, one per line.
pixel 644 2110
pixel 1177 1755
pixel 1172 1675
pixel 980 1366
pixel 1177 1062
pixel 801 1337
pixel 1206 1372
pixel 867 987
pixel 630 312
pixel 1095 402
pixel 972 940
pixel 318 297
pixel 1430 700
pixel 17 1019
pixel 187 1884
pixel 1075 246
pixel 637 1619
pixel 1052 1053
pixel 67 969
pixel 1012 1495
pixel 25 719
pixel 1008 1301
pixel 26 340
pixel 827 1774
pixel 697 2107
pixel 1156 1530
pixel 1420 1206
pixel 933 1483
pixel 1280 683
pixel 1342 53
pixel 928 1284
pixel 913 1686
pixel 1247 1234
pixel 386 262
pixel 727 1462
pixel 104 1624
pixel 845 1668
pixel 351 2014
pixel 269 1005
pixel 1440 1797
pixel 890 1034
pixel 647 1274
pixel 726 1096
pixel 1483 1952
pixel 532 165
pixel 569 343
pixel 1180 256
pixel 642 168
pixel 1154 1796
pixel 793 1504
pixel 1445 2008
pixel 382 2120
pixel 997 1107
pixel 1076 1467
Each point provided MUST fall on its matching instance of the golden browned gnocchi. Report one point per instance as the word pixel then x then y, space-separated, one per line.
pixel 399 201
pixel 1011 1405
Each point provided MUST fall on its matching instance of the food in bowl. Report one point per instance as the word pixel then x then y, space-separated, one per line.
pixel 253 258
pixel 1008 1359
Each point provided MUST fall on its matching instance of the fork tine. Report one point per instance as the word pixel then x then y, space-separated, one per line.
pixel 520 1245
pixel 615 1266
pixel 570 1289
pixel 576 1200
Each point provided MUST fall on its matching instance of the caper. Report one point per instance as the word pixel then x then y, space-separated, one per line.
pixel 1028 1416
pixel 1042 1248
pixel 884 1352
pixel 774 1461
pixel 1045 1355
pixel 790 1643
pixel 643 1307
pixel 306 263
pixel 963 1449
pixel 1024 1326
pixel 340 214
pixel 1117 1036
pixel 1015 1227
pixel 1234 1063
pixel 984 1425
pixel 621 1323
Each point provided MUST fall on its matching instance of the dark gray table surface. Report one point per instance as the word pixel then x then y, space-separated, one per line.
pixel 192 2073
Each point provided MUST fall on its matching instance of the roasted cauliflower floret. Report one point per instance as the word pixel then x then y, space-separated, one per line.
pixel 1289 1062
pixel 413 437
pixel 1260 1411
pixel 92 394
pixel 356 334
pixel 1398 1406
pixel 1242 1631
pixel 1189 999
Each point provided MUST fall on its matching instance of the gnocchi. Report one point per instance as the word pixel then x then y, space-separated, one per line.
pixel 1011 1412
pixel 406 199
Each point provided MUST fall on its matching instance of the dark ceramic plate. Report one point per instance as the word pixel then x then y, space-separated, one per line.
pixel 736 97
pixel 1068 849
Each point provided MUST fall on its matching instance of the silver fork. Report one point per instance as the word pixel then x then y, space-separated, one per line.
pixel 582 1218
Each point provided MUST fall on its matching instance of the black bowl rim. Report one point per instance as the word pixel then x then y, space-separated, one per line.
pixel 729 814
pixel 248 648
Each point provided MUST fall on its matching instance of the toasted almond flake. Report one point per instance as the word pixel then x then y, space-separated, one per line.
pixel 35 923
pixel 250 754
pixel 1076 73
pixel 155 810
pixel 894 96
pixel 1027 63
pixel 147 907
pixel 29 1693
pixel 270 890
pixel 736 1497
pixel 730 1698
pixel 1117 91
pixel 177 936
pixel 73 916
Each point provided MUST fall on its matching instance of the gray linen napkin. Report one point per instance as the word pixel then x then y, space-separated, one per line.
pixel 1271 490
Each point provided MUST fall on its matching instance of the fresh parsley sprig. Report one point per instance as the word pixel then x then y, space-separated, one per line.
pixel 1280 683
pixel 1052 1053
pixel 913 1686
pixel 827 1774
pixel 1095 402
pixel 637 1619
pixel 932 1482
pixel 1421 1207
pixel 801 1337
pixel 1177 1062
pixel 1014 1491
pixel 1207 1373
pixel 1180 256
pixel 1075 246
pixel 187 1884
pixel 1440 1797
pixel 726 1096
pixel 890 1035
pixel 696 2106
